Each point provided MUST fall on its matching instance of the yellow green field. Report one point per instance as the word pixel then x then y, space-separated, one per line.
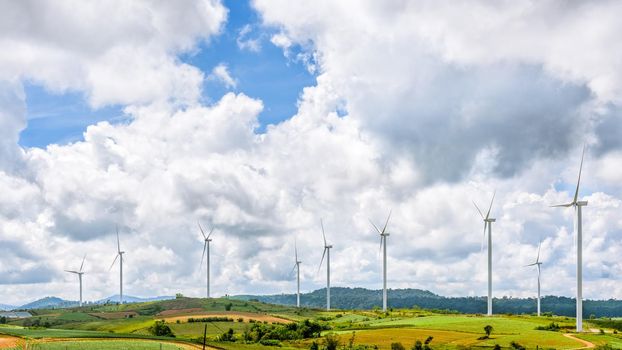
pixel 234 324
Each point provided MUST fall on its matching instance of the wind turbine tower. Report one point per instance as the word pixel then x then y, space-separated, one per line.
pixel 79 273
pixel 538 263
pixel 327 248
pixel 578 227
pixel 206 243
pixel 120 257
pixel 383 245
pixel 297 268
pixel 488 225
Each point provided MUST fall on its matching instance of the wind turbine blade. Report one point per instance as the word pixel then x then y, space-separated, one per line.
pixel 76 272
pixel 114 261
pixel 118 242
pixel 531 264
pixel 375 226
pixel 479 211
pixel 296 250
pixel 576 193
pixel 323 235
pixel 321 261
pixel 203 255
pixel 561 205
pixel 201 228
pixel 293 269
pixel 484 237
pixel 490 207
pixel 387 222
pixel 210 233
pixel 82 265
pixel 538 257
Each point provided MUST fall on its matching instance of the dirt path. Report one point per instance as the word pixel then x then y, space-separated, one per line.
pixel 235 315
pixel 9 342
pixel 587 344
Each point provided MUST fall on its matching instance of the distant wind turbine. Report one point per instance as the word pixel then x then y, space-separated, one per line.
pixel 577 204
pixel 297 268
pixel 326 253
pixel 206 249
pixel 79 273
pixel 538 263
pixel 120 257
pixel 488 224
pixel 383 245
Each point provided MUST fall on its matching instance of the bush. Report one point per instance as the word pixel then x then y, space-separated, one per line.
pixel 270 342
pixel 550 327
pixel 331 342
pixel 228 306
pixel 397 346
pixel 161 329
pixel 227 336
pixel 497 347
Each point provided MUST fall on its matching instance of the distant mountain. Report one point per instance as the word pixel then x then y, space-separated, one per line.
pixel 131 299
pixel 5 307
pixel 361 298
pixel 48 303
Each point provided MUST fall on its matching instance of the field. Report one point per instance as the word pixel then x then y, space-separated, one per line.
pixel 234 324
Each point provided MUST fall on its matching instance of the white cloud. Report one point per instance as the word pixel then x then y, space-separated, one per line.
pixel 245 42
pixel 115 52
pixel 221 73
pixel 430 123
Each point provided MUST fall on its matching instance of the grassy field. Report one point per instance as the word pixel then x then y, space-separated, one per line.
pixel 128 327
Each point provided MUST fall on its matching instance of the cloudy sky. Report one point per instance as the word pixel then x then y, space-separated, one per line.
pixel 259 118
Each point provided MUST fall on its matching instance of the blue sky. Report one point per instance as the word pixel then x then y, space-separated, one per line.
pixel 265 74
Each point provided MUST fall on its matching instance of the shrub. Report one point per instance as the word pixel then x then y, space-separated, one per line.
pixel 550 327
pixel 228 306
pixel 331 342
pixel 227 336
pixel 397 346
pixel 270 342
pixel 161 329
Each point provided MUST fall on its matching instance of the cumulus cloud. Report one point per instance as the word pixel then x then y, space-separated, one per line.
pixel 115 52
pixel 221 74
pixel 408 114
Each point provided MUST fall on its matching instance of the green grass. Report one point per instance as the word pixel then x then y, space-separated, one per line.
pixel 105 345
pixel 195 329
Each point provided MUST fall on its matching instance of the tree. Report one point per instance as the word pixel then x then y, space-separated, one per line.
pixel 497 347
pixel 488 329
pixel 161 329
pixel 417 346
pixel 228 306
pixel 227 336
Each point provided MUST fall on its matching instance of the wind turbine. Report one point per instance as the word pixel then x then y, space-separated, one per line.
pixel 537 263
pixel 488 224
pixel 297 268
pixel 79 273
pixel 326 253
pixel 577 204
pixel 206 248
pixel 120 257
pixel 383 245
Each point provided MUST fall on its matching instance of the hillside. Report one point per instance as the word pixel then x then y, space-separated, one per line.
pixel 365 299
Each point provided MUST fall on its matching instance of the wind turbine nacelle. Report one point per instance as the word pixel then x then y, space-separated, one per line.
pixel 491 220
pixel 328 246
pixel 582 203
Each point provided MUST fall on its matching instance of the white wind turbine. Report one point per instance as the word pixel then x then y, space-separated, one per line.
pixel 488 224
pixel 120 257
pixel 538 263
pixel 297 268
pixel 577 204
pixel 206 249
pixel 79 273
pixel 326 253
pixel 383 245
